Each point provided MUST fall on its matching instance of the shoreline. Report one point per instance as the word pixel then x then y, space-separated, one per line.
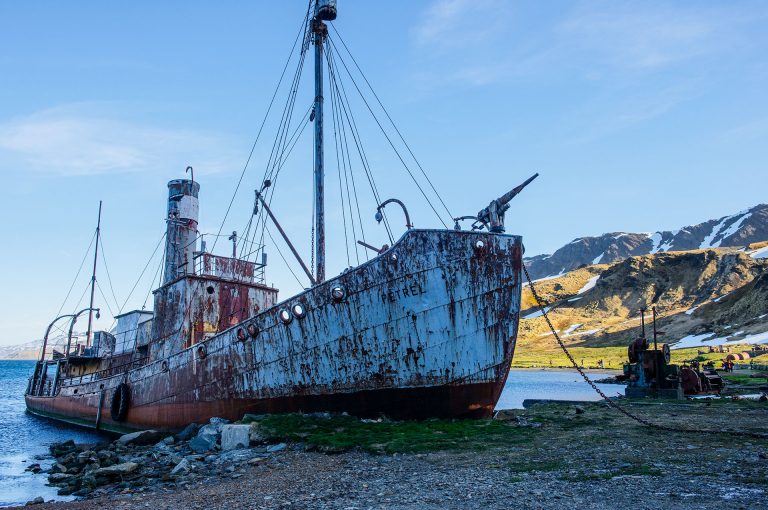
pixel 539 454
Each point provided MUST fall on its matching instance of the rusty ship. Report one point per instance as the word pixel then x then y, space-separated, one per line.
pixel 424 328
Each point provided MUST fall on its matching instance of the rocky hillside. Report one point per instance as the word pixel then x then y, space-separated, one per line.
pixel 709 296
pixel 737 230
pixel 28 350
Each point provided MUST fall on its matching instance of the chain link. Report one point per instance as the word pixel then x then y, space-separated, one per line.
pixel 612 403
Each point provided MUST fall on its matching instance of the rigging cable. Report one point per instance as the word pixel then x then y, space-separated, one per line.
pixel 142 273
pixel 74 281
pixel 384 132
pixel 263 122
pixel 347 110
pixel 106 269
pixel 426 176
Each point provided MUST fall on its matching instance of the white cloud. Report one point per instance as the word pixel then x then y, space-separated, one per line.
pixel 462 22
pixel 87 139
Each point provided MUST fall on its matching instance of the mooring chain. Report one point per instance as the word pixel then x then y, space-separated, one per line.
pixel 612 403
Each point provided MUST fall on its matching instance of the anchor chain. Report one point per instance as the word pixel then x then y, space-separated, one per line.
pixel 612 403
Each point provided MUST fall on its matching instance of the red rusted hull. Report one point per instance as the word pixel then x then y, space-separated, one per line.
pixel 456 401
pixel 426 330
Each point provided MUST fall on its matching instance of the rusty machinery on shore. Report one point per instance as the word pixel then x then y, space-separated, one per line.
pixel 649 372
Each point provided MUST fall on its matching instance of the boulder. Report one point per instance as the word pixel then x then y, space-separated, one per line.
pixel 203 443
pixel 235 436
pixel 59 478
pixel 185 466
pixel 276 447
pixel 505 415
pixel 141 438
pixel 117 470
pixel 218 421
pixel 58 468
pixel 188 433
pixel 37 501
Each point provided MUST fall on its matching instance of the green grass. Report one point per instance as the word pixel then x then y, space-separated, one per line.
pixel 342 433
pixel 743 379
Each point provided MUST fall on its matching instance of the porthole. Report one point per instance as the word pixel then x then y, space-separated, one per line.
pixel 285 316
pixel 164 366
pixel 201 352
pixel 75 390
pixel 337 293
pixel 393 257
pixel 241 334
pixel 479 245
pixel 253 330
pixel 209 289
pixel 298 311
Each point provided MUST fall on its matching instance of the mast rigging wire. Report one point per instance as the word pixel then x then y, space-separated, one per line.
pixel 266 115
pixel 426 176
pixel 332 45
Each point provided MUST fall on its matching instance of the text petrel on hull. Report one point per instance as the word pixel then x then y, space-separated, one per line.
pixel 425 328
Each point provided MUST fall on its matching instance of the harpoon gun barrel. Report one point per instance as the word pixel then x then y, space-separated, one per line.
pixel 493 215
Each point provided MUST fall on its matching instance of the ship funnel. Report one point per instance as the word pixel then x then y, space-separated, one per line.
pixel 180 241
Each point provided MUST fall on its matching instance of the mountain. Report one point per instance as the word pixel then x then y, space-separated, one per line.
pixel 737 230
pixel 716 295
pixel 31 349
pixel 28 350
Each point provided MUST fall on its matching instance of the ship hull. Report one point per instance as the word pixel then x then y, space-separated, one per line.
pixel 426 329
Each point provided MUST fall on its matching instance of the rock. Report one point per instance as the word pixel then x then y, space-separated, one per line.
pixel 251 418
pixel 58 468
pixel 188 432
pixel 218 421
pixel 203 444
pixel 59 449
pixel 256 460
pixel 256 436
pixel 141 438
pixel 505 415
pixel 35 468
pixel 169 440
pixel 37 501
pixel 59 478
pixel 235 436
pixel 578 409
pixel 117 470
pixel 183 467
pixel 276 447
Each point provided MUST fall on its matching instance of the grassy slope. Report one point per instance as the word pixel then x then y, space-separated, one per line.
pixel 674 282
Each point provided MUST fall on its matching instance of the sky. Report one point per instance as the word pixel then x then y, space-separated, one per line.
pixel 639 116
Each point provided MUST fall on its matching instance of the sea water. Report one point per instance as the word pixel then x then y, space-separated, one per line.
pixel 24 438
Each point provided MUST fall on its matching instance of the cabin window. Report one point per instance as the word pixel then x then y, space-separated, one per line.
pixel 209 289
pixel 298 311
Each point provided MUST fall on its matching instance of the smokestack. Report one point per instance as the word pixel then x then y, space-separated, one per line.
pixel 181 230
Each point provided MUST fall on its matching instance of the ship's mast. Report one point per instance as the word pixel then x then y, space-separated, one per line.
pixel 325 10
pixel 320 30
pixel 93 279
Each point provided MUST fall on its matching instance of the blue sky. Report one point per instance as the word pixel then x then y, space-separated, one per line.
pixel 638 115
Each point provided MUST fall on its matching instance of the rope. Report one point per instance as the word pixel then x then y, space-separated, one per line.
pixel 612 403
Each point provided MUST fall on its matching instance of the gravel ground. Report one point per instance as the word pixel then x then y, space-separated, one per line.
pixel 586 457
